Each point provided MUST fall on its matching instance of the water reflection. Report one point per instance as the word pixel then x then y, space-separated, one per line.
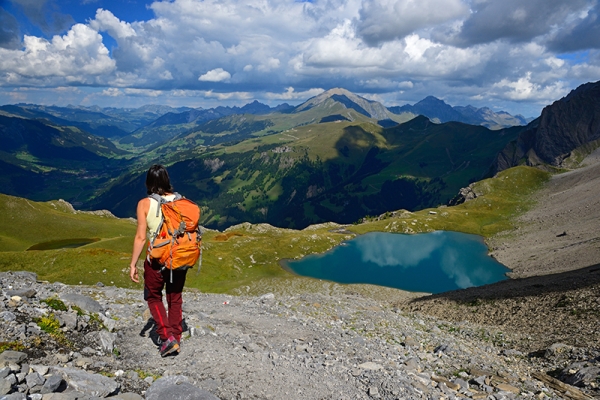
pixel 433 262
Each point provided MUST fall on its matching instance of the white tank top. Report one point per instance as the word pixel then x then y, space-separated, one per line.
pixel 151 219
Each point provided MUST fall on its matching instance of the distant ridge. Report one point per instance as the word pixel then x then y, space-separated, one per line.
pixel 439 111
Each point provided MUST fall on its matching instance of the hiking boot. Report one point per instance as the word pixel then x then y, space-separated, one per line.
pixel 169 346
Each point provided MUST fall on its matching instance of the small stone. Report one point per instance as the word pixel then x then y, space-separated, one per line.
pixel 12 357
pixel 373 391
pixel 62 358
pixel 505 387
pixel 412 364
pixel 7 316
pixel 34 379
pixel 371 366
pixel 134 376
pixel 40 369
pixel 267 297
pixel 52 384
pixel 5 386
pixel 4 372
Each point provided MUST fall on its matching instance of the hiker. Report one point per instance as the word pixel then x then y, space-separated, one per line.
pixel 157 275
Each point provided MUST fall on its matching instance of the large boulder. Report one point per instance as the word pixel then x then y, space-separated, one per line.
pixel 177 388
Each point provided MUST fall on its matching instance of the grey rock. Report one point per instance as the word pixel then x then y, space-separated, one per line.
pixel 7 316
pixel 462 383
pixel 52 384
pixel 252 347
pixel 134 376
pixel 5 386
pixel 84 302
pixel 22 276
pixel 34 379
pixel 64 396
pixel 40 369
pixel 412 364
pixel 4 372
pixel 21 377
pixel 68 320
pixel 267 297
pixel 107 340
pixel 127 396
pixel 177 388
pixel 28 293
pixel 88 383
pixel 12 379
pixel 584 376
pixel 109 323
pixel 444 348
pixel 373 391
pixel 14 396
pixel 62 357
pixel 10 356
pixel 371 366
pixel 557 350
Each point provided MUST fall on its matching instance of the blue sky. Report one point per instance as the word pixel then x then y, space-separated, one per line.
pixel 504 54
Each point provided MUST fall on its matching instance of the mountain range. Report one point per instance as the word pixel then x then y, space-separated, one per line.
pixel 439 111
pixel 336 157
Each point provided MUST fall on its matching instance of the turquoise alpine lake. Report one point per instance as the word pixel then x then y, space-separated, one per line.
pixel 433 262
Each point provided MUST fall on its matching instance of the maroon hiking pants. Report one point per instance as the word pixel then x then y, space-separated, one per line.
pixel 167 322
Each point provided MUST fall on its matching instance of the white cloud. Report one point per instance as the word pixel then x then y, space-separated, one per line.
pixel 112 92
pixel 524 89
pixel 291 94
pixel 106 21
pixel 77 56
pixel 215 75
pixel 399 50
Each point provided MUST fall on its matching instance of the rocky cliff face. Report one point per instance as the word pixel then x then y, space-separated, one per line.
pixel 566 125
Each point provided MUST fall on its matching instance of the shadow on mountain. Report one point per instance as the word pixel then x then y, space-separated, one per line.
pixel 524 287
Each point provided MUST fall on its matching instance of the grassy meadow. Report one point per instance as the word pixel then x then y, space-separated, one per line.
pixel 241 255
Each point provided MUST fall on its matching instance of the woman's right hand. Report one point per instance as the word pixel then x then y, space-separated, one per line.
pixel 133 273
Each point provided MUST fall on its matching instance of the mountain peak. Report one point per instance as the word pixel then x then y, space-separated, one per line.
pixel 349 100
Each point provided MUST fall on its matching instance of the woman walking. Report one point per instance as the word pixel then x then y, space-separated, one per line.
pixel 156 276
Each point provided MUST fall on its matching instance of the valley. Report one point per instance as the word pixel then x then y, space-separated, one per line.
pixel 271 196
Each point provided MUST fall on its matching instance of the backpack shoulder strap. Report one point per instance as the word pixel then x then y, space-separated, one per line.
pixel 159 200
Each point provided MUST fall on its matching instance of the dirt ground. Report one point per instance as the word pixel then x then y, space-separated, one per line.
pixel 562 232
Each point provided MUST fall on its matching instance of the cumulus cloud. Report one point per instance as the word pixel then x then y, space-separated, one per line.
pixel 78 56
pixel 106 21
pixel 488 51
pixel 291 94
pixel 524 89
pixel 386 20
pixel 515 20
pixel 215 75
pixel 580 33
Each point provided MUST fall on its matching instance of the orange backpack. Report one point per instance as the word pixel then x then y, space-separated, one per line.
pixel 177 242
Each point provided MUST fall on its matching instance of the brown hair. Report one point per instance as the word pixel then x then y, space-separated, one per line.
pixel 157 180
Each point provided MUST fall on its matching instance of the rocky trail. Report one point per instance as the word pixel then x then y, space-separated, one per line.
pixel 534 336
pixel 338 345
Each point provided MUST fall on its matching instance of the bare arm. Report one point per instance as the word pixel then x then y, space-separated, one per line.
pixel 140 238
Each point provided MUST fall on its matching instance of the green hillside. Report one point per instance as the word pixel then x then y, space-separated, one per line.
pixel 337 171
pixel 245 256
